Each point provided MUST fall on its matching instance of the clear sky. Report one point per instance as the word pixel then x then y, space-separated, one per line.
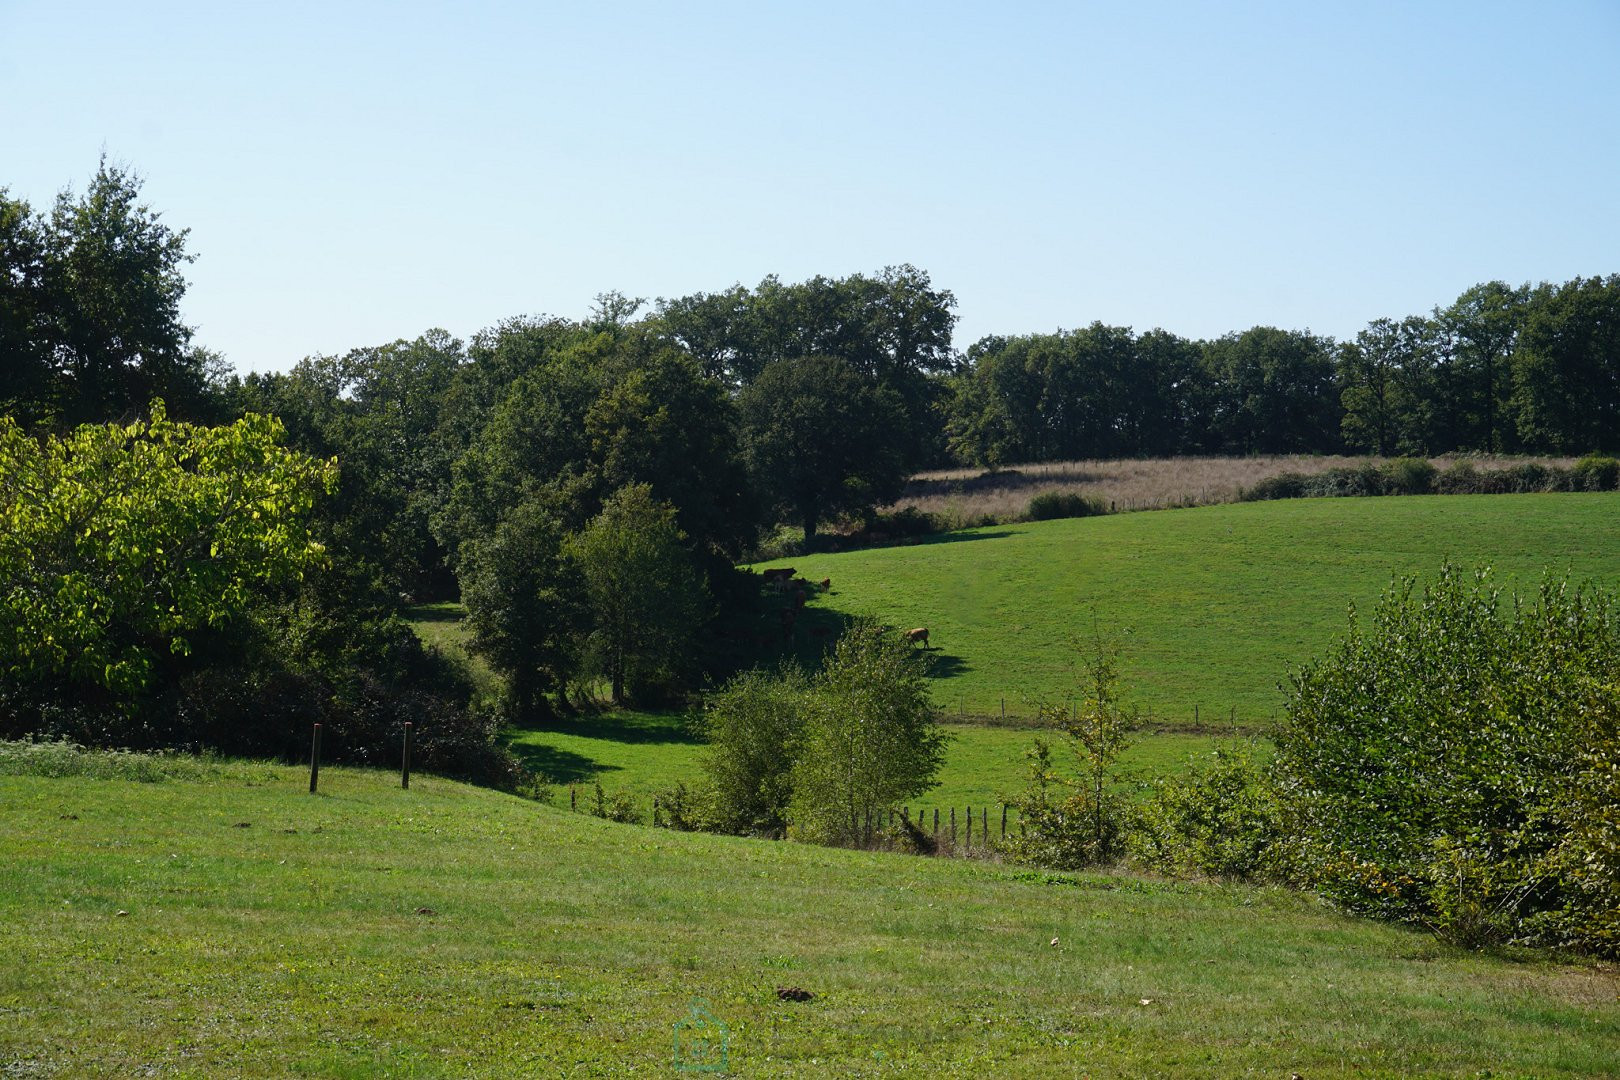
pixel 352 173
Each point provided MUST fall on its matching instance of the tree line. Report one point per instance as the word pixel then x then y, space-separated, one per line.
pixel 587 486
pixel 1502 369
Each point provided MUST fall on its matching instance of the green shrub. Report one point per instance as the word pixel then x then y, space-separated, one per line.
pixel 1287 485
pixel 685 809
pixel 1050 505
pixel 1458 478
pixel 1346 482
pixel 1595 472
pixel 754 725
pixel 786 542
pixel 619 806
pixel 1221 819
pixel 907 521
pixel 1408 476
pixel 1068 823
pixel 1454 762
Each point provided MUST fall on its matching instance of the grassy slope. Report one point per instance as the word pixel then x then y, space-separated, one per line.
pixel 560 945
pixel 1222 602
pixel 644 753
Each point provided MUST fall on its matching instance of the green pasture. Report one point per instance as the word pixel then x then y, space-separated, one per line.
pixel 1216 606
pixel 228 923
pixel 645 753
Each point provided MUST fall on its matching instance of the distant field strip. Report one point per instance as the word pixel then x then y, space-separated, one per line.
pixel 645 753
pixel 1216 606
pixel 1132 483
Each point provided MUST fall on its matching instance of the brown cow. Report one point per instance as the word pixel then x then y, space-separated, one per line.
pixel 919 634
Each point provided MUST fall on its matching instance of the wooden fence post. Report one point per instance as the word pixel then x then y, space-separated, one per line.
pixel 1004 821
pixel 314 758
pixel 573 798
pixel 405 759
pixel 984 825
pixel 968 839
pixel 936 824
pixel 953 826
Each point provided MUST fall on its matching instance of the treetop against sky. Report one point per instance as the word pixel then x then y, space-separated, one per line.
pixel 356 173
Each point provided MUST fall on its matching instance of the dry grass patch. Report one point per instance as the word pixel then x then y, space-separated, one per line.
pixel 963 497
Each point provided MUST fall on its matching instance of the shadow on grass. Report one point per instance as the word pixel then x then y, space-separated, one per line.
pixel 558 766
pixel 622 727
pixel 944 665
pixel 998 480
pixel 961 538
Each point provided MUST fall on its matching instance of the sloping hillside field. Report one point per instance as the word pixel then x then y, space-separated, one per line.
pixel 231 924
pixel 1221 603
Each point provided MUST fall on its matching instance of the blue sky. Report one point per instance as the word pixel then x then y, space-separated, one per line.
pixel 355 173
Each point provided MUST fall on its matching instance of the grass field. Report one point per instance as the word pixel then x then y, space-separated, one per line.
pixel 231 924
pixel 1216 606
pixel 645 753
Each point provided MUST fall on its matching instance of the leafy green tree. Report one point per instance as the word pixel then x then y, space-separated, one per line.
pixel 1478 337
pixel 1567 367
pixel 754 725
pixel 663 423
pixel 893 328
pixel 90 308
pixel 378 410
pixel 818 438
pixel 114 283
pixel 25 350
pixel 1387 376
pixel 524 605
pixel 1273 392
pixel 871 739
pixel 119 544
pixel 646 600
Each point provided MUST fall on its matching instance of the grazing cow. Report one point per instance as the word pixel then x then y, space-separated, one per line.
pixel 826 584
pixel 920 634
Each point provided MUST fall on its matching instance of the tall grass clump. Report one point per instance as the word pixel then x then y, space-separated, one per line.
pixel 60 758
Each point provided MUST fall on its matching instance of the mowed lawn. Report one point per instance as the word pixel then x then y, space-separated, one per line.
pixel 1215 606
pixel 231 924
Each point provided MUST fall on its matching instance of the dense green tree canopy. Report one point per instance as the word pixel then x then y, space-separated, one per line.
pixel 119 543
pixel 90 307
pixel 645 597
pixel 819 440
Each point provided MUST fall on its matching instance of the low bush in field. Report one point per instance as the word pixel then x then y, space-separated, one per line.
pixel 1595 472
pixel 1456 763
pixel 1221 818
pixel 1071 822
pixel 1050 505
